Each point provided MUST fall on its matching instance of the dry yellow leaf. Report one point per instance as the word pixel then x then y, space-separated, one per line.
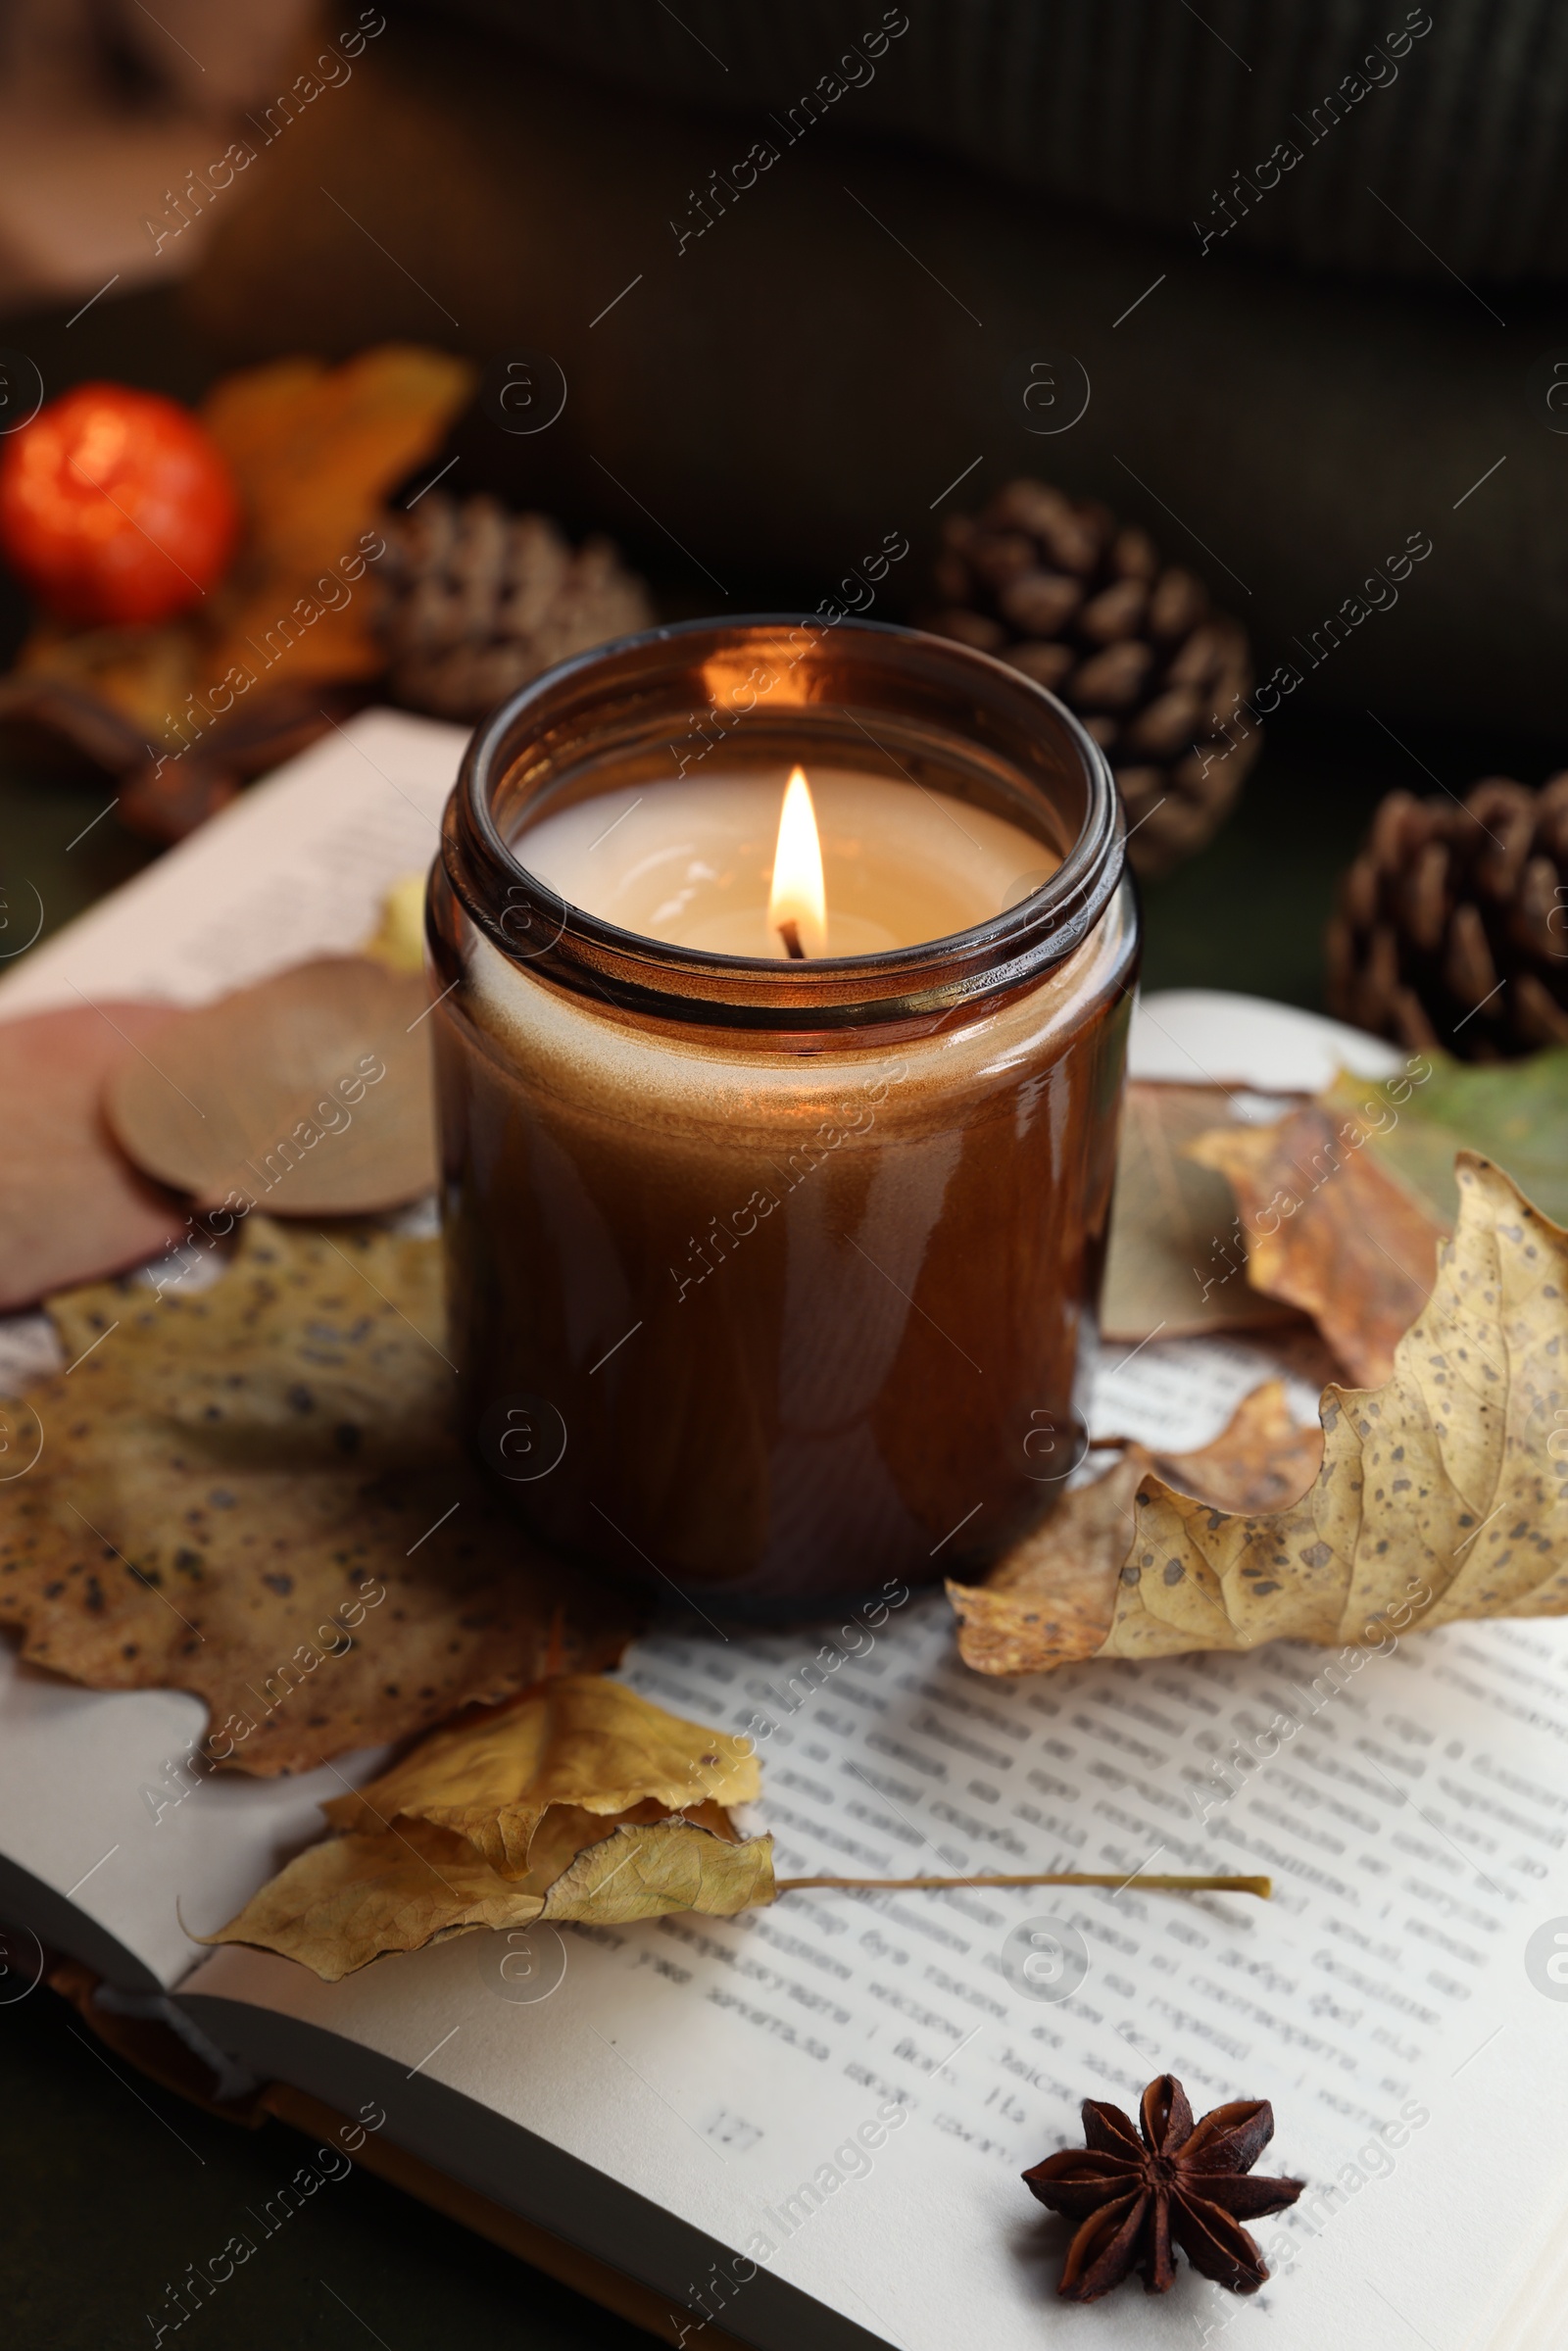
pixel 1440 1496
pixel 580 1800
pixel 579 1740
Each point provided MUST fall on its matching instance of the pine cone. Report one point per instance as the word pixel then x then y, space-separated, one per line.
pixel 1063 592
pixel 478 601
pixel 1452 923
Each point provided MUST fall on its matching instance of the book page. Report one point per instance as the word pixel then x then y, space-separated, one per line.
pixel 115 1844
pixel 1408 1805
pixel 297 866
pixel 1395 2000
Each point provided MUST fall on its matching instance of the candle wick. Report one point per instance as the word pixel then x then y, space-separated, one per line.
pixel 790 931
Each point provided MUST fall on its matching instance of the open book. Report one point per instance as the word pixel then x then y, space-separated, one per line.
pixel 806 2124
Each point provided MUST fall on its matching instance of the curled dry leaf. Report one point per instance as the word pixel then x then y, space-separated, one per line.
pixel 1438 1496
pixel 580 1800
pixel 70 1209
pixel 1344 1202
pixel 1329 1230
pixel 1052 1597
pixel 311 1094
pixel 255 1491
pixel 1171 1266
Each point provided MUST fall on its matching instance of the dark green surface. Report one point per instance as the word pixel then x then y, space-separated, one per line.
pixel 112 2187
pixel 104 2202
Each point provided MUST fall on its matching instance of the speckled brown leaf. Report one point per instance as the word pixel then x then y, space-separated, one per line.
pixel 591 1803
pixel 255 1491
pixel 72 1207
pixel 1440 1496
pixel 1176 1263
pixel 310 1095
pixel 1330 1229
pixel 1052 1598
pixel 1260 1460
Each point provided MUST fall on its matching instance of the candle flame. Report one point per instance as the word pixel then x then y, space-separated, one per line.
pixel 798 895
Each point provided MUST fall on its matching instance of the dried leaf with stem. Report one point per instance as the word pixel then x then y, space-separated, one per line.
pixel 581 1800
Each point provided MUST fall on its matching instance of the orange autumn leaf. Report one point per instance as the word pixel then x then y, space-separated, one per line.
pixel 316 451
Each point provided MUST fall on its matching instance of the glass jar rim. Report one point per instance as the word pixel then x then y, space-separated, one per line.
pixel 1006 722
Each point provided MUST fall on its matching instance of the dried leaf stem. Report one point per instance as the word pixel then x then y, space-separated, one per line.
pixel 1261 1886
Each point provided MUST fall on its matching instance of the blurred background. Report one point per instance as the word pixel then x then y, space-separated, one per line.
pixel 792 276
pixel 1271 294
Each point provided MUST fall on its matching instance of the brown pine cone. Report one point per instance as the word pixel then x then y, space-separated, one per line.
pixel 1086 608
pixel 1452 923
pixel 478 601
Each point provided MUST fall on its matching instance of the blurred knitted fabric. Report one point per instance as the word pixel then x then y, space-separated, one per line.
pixel 780 331
pixel 1165 115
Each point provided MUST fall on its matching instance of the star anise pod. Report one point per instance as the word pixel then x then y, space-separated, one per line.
pixel 1133 2196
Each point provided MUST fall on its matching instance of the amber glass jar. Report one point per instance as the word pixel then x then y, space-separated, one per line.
pixel 775 1280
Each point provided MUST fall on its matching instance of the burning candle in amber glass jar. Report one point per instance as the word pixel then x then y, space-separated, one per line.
pixel 784 972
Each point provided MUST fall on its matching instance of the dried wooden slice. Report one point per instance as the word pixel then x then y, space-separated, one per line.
pixel 309 1095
